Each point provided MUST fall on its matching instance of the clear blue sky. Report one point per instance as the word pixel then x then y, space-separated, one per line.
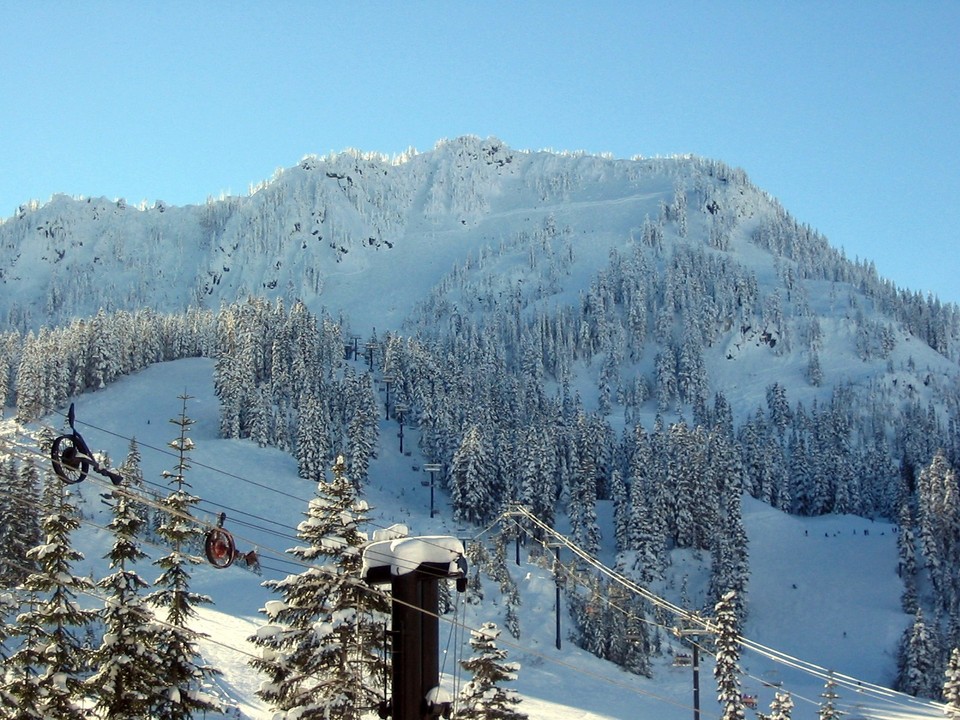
pixel 847 111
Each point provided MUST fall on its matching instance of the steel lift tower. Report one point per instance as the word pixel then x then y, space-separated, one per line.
pixel 414 566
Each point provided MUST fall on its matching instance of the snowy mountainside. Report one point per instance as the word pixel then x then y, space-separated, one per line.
pixel 329 228
pixel 813 596
pixel 473 228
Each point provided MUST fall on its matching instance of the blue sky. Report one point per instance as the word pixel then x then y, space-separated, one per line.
pixel 847 112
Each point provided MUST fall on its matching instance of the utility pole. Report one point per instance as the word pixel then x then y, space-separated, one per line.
pixel 400 409
pixel 560 580
pixel 350 349
pixel 432 468
pixel 388 381
pixel 415 618
pixel 694 635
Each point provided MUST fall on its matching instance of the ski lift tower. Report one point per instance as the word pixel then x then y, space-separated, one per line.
pixel 414 566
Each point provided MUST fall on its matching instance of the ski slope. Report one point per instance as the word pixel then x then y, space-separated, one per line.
pixel 824 593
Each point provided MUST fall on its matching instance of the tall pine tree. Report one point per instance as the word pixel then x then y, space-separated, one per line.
pixel 951 686
pixel 47 674
pixel 321 647
pixel 126 661
pixel 727 667
pixel 183 675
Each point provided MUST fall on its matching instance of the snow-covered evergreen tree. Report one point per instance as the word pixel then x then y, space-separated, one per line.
pixel 938 503
pixel 126 663
pixel 917 660
pixel 951 686
pixel 133 480
pixel 828 708
pixel 47 670
pixel 21 692
pixel 781 707
pixel 537 472
pixel 362 425
pixel 621 510
pixel 311 438
pixel 727 668
pixel 907 568
pixel 181 683
pixel 8 605
pixel 321 647
pixel 19 519
pixel 470 478
pixel 484 697
pixel 582 502
pixel 647 536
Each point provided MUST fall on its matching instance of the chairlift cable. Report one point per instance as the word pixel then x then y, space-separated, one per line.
pixel 33 453
pixel 216 470
pixel 784 658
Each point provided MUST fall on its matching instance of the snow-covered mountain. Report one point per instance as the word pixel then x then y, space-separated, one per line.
pixel 505 289
pixel 472 228
pixel 365 235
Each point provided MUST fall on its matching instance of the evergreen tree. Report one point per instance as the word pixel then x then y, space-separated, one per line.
pixel 126 662
pixel 232 380
pixel 801 476
pixel 21 694
pixel 8 702
pixel 666 381
pixel 19 519
pixel 938 500
pixel 182 674
pixel 647 512
pixel 907 569
pixel 470 479
pixel 537 472
pixel 589 618
pixel 321 645
pixel 484 697
pixel 47 674
pixel 951 686
pixel 621 510
pixel 132 475
pixel 362 426
pixel 814 371
pixel 781 708
pixel 727 667
pixel 828 709
pixel 582 504
pixel 311 439
pixel 8 483
pixel 917 660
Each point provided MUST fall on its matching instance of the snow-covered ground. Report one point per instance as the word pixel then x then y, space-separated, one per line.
pixel 824 591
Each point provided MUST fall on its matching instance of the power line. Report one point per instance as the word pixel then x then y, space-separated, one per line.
pixel 895 697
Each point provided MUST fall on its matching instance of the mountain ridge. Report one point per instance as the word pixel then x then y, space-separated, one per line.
pixel 312 215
